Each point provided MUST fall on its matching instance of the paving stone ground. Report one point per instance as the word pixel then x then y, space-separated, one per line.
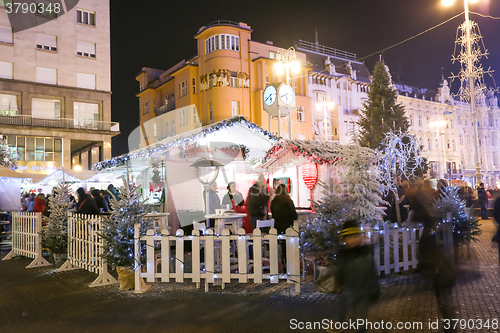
pixel 43 300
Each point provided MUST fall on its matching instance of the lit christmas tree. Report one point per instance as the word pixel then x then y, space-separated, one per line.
pixel 55 233
pixel 465 224
pixel 7 157
pixel 118 231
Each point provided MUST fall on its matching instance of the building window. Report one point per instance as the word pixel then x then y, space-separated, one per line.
pixel 453 146
pixel 411 120
pixel 8 105
pixel 85 81
pixel 47 8
pixel 427 120
pixel 46 75
pixel 235 107
pixel 184 117
pixel 36 149
pixel 193 80
pixel 173 127
pixel 85 17
pixel 429 146
pixel 146 108
pixel 272 55
pixel 222 42
pixel 6 35
pixel 419 120
pixel 45 108
pixel 85 49
pixel 460 140
pixel 451 123
pixel 268 79
pixel 154 104
pixel 154 130
pixel 166 129
pixel 6 71
pixel 85 114
pixel 211 112
pixel 46 42
pixel 300 114
pixel 210 81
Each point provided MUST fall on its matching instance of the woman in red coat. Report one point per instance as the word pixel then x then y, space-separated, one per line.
pixel 39 203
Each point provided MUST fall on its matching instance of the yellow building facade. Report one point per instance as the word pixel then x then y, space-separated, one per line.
pixel 226 78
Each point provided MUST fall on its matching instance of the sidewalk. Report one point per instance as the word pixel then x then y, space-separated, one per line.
pixel 42 300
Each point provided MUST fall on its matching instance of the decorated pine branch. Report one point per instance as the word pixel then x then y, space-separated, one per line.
pixel 400 157
pixel 118 231
pixel 465 224
pixel 7 157
pixel 55 233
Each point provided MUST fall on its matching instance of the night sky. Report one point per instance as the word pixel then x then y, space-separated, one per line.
pixel 159 34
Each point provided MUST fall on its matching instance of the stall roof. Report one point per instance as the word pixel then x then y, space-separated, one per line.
pixel 248 131
pixel 319 152
pixel 9 173
pixel 69 176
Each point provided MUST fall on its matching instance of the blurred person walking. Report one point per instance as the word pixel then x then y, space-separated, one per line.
pixel 482 199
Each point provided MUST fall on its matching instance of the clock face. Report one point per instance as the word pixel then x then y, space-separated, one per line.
pixel 270 95
pixel 286 94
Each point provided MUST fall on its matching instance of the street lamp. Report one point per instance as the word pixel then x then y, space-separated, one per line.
pixel 438 124
pixel 324 106
pixel 470 77
pixel 287 60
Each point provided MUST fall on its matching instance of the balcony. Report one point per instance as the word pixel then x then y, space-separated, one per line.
pixel 63 123
pixel 165 108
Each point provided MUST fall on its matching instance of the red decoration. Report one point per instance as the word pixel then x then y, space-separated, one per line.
pixel 310 174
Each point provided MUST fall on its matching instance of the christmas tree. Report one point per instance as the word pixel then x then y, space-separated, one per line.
pixel 55 233
pixel 356 197
pixel 381 113
pixel 465 224
pixel 7 157
pixel 118 231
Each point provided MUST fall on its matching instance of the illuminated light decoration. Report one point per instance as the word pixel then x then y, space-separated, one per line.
pixel 310 176
pixel 183 141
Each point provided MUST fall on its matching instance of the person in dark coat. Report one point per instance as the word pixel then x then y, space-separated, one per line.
pixel 100 201
pixel 496 215
pixel 356 275
pixel 482 199
pixel 112 189
pixel 433 260
pixel 86 204
pixel 257 202
pixel 284 213
pixel 232 194
pixel 283 209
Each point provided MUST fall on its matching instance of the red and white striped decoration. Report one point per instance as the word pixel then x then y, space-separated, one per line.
pixel 310 174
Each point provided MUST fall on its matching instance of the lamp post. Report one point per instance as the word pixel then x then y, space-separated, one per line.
pixel 286 61
pixel 470 77
pixel 437 124
pixel 324 106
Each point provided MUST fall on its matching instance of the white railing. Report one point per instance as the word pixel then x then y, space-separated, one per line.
pixel 26 239
pixel 226 257
pixel 85 246
pixel 395 249
pixel 72 123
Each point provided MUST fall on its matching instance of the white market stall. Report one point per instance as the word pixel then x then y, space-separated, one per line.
pixel 235 143
pixel 301 165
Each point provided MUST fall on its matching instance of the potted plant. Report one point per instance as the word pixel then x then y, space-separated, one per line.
pixel 55 233
pixel 118 232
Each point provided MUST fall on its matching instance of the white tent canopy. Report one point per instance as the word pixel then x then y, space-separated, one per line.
pixel 71 176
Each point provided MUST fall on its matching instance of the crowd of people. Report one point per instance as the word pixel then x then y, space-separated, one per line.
pixel 93 202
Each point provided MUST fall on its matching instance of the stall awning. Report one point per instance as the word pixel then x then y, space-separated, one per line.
pixel 70 176
pixel 9 173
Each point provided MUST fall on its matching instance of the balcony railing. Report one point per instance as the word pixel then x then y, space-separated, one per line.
pixel 67 123
pixel 164 109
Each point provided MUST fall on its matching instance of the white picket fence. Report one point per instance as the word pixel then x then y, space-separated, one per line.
pixel 226 257
pixel 85 246
pixel 395 249
pixel 26 239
